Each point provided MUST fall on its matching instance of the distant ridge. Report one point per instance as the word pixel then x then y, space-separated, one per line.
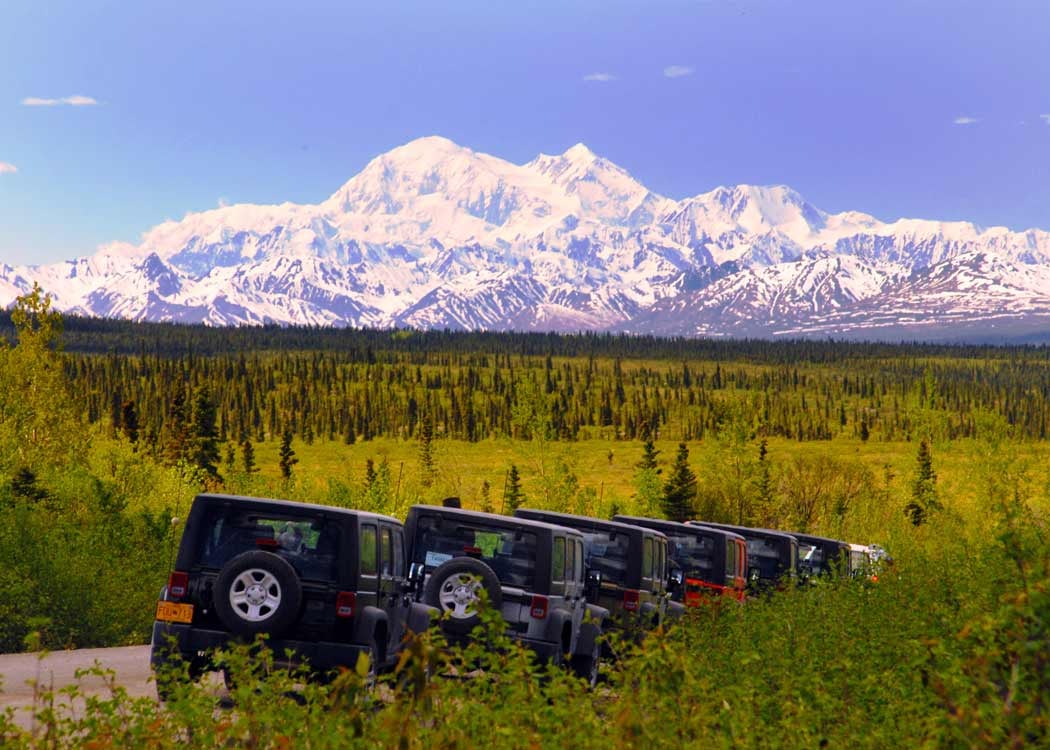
pixel 434 235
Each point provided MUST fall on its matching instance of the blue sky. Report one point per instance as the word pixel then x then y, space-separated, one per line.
pixel 928 108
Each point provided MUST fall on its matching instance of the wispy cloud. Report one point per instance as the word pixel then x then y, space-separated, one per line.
pixel 7 168
pixel 677 71
pixel 1045 118
pixel 601 77
pixel 964 120
pixel 76 100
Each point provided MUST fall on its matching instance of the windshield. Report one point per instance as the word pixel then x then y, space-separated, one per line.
pixel 510 553
pixel 693 555
pixel 310 545
pixel 608 553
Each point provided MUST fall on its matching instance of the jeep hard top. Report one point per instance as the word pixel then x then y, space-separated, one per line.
pixel 325 583
pixel 772 556
pixel 629 563
pixel 532 573
pixel 703 560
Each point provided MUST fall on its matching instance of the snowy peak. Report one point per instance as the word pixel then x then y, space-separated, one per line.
pixel 603 189
pixel 435 234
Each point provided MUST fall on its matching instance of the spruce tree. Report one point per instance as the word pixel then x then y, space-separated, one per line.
pixel 248 456
pixel 129 421
pixel 649 454
pixel 286 455
pixel 680 489
pixel 204 441
pixel 177 446
pixel 923 489
pixel 513 498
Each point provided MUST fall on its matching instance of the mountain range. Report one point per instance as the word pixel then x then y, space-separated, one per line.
pixel 434 235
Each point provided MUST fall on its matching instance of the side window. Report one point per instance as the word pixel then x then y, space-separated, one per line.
pixel 387 556
pixel 399 554
pixel 731 553
pixel 581 567
pixel 369 548
pixel 570 561
pixel 647 558
pixel 558 559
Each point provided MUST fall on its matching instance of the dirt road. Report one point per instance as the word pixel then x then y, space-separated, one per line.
pixel 58 668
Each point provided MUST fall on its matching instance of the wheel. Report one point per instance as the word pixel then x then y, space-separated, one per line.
pixel 587 666
pixel 455 586
pixel 257 592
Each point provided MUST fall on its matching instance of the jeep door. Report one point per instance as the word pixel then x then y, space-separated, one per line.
pixel 391 584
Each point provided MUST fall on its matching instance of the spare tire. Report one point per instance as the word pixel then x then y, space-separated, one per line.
pixel 454 587
pixel 257 592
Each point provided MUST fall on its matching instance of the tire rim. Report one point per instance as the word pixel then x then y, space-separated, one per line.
pixel 459 595
pixel 255 595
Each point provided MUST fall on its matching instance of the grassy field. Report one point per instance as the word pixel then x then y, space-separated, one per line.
pixel 608 467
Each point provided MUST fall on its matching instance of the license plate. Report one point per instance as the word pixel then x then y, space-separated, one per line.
pixel 174 612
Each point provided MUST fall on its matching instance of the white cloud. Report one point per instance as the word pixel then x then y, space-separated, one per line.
pixel 76 100
pixel 677 71
pixel 7 168
pixel 599 77
pixel 964 120
pixel 1045 118
pixel 79 100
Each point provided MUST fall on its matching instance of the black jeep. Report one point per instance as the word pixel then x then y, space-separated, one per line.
pixel 628 565
pixel 325 583
pixel 533 573
pixel 772 556
pixel 704 562
pixel 819 555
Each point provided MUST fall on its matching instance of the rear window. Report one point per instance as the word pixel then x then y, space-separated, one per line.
pixel 694 556
pixel 510 553
pixel 810 557
pixel 764 555
pixel 310 545
pixel 607 552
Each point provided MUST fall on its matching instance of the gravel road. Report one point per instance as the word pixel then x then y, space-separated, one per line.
pixel 58 668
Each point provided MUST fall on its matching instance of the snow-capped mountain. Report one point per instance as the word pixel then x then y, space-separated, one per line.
pixel 434 235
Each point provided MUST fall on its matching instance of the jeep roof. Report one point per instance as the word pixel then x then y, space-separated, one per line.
pixel 635 534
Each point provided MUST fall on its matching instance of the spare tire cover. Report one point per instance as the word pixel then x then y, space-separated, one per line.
pixel 454 588
pixel 257 592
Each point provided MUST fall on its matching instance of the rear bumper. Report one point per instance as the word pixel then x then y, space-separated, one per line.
pixel 190 641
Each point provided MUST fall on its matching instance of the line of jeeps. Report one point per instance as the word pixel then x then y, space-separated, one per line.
pixel 328 585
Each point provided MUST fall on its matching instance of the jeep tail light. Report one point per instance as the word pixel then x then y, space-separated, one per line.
pixel 345 604
pixel 178 584
pixel 630 600
pixel 538 608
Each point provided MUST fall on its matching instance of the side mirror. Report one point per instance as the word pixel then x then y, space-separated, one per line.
pixel 675 580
